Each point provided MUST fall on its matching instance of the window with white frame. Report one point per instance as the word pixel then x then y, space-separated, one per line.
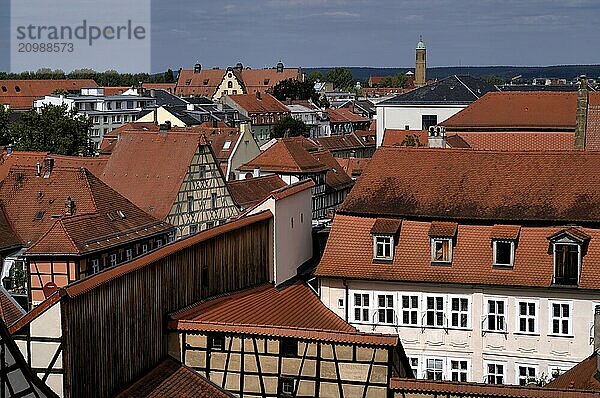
pixel 459 312
pixel 434 368
pixel 385 308
pixel 382 247
pixel 496 315
pixel 410 309
pixel 495 372
pixel 556 370
pixel 144 248
pixel 526 374
pixel 459 370
pixel 128 254
pixel 361 307
pixel 527 311
pixel 414 365
pixel 441 250
pixel 113 259
pixel 434 311
pixel 95 265
pixel 504 252
pixel 560 318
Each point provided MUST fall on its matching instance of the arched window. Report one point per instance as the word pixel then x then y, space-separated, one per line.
pixel 230 84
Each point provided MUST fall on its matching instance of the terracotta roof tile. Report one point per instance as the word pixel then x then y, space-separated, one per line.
pixel 523 110
pixel 353 166
pixel 170 379
pixel 335 178
pixel 295 311
pixel 486 185
pixel 456 141
pixel 592 139
pixel 344 115
pixel 30 159
pixel 20 94
pixel 395 137
pixel 386 226
pixel 443 229
pixel 35 209
pixel 580 377
pixel 254 79
pixel 349 254
pixel 205 83
pixel 10 311
pixel 478 390
pixel 8 239
pixel 516 141
pixel 287 155
pixel 266 104
pixel 339 142
pixel 252 190
pixel 510 232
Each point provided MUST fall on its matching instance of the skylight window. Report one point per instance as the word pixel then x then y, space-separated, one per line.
pixel 227 145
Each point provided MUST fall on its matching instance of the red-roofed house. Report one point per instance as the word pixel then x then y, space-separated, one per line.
pixel 173 175
pixel 73 225
pixel 485 262
pixel 344 121
pixel 292 162
pixel 262 341
pixel 20 94
pixel 263 110
pixel 250 191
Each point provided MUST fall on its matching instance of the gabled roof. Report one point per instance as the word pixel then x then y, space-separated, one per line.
pixel 266 104
pixel 255 79
pixel 295 312
pixel 479 185
pixel 35 209
pixel 580 377
pixel 203 84
pixel 30 159
pixel 171 379
pixel 592 136
pixel 518 110
pixel 479 390
pixel 8 239
pixel 148 167
pixel 252 190
pixel 349 254
pixel 10 310
pixel 456 141
pixel 513 140
pixel 20 94
pixel 287 155
pixel 335 178
pixel 342 142
pixel 452 90
pixel 222 139
pixel 345 115
pixel 353 166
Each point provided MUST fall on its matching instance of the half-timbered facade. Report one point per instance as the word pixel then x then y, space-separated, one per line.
pixel 62 339
pixel 260 343
pixel 174 176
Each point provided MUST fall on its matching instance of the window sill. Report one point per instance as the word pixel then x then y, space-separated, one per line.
pixel 383 260
pixel 503 266
pixel 568 336
pixel 496 331
pixel 441 263
pixel 530 334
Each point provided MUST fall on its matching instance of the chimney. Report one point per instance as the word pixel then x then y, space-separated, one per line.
pixel 581 115
pixel 48 166
pixel 69 206
pixel 258 96
pixel 9 150
pixel 436 137
pixel 597 339
pixel 38 169
pixel 155 113
pixel 197 68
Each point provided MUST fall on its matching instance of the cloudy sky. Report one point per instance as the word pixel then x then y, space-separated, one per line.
pixel 370 32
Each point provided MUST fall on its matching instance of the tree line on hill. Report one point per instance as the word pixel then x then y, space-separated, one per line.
pixel 108 78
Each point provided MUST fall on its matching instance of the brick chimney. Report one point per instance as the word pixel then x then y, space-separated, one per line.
pixel 581 115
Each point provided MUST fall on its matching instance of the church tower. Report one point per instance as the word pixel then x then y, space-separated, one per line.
pixel 421 63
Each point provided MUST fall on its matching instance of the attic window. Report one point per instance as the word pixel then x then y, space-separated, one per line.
pixel 382 247
pixel 4 89
pixel 504 252
pixel 121 214
pixel 266 82
pixel 568 248
pixel 39 215
pixel 441 250
pixel 17 89
pixel 227 145
pixel 188 82
pixel 205 82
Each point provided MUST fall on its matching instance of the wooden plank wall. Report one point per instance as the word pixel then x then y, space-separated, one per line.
pixel 115 333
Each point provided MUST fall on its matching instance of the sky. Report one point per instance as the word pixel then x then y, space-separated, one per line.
pixel 377 33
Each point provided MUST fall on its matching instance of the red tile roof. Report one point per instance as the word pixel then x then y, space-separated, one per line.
pixel 295 311
pixel 456 141
pixel 510 232
pixel 255 79
pixel 8 239
pixel 218 137
pixel 148 167
pixel 35 209
pixel 349 254
pixel 443 229
pixel 353 166
pixel 30 159
pixel 518 110
pixel 345 115
pixel 252 190
pixel 287 155
pixel 266 104
pixel 580 377
pixel 171 379
pixel 10 311
pixel 386 226
pixel 335 178
pixel 20 94
pixel 485 185
pixel 516 141
pixel 479 390
pixel 592 139
pixel 343 142
pixel 395 137
pixel 203 84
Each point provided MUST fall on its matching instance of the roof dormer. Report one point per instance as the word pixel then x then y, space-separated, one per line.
pixel 385 236
pixel 504 241
pixel 442 236
pixel 568 247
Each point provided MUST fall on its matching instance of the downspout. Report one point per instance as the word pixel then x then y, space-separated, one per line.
pixel 345 283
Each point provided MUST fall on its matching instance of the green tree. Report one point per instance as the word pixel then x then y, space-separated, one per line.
pixel 290 127
pixel 400 81
pixel 341 78
pixel 295 90
pixel 55 129
pixel 4 125
pixel 315 77
pixel 493 80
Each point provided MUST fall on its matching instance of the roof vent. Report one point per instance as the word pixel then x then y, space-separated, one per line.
pixel 121 214
pixel 69 206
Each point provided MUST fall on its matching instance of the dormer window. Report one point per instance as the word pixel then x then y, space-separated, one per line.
pixel 504 239
pixel 504 253
pixel 568 248
pixel 385 232
pixel 442 236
